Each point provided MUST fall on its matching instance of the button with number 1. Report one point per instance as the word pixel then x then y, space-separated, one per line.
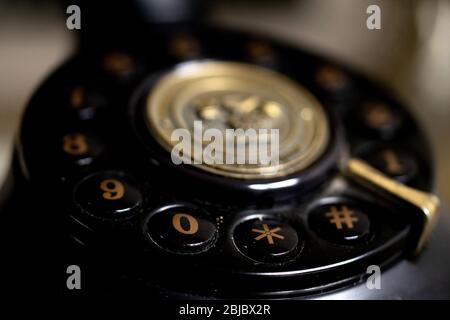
pixel 108 195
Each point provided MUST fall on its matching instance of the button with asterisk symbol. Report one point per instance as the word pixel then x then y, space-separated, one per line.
pixel 267 240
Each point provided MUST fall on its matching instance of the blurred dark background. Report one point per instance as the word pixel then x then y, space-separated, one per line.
pixel 411 53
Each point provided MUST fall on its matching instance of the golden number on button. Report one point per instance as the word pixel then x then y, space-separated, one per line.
pixel 192 223
pixel 113 189
pixel 75 144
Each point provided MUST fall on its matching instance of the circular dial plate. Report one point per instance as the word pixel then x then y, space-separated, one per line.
pixel 236 99
pixel 315 262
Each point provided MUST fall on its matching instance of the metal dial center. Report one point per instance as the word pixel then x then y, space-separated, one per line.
pixel 240 97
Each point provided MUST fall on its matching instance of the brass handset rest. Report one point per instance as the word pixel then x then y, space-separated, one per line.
pixel 428 203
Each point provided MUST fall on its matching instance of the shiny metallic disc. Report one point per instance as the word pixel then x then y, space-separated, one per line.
pixel 228 95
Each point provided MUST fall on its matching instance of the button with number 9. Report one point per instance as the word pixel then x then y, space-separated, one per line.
pixel 108 195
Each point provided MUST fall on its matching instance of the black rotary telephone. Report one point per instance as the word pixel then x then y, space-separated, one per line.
pixel 95 181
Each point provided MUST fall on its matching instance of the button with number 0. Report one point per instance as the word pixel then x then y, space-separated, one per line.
pixel 182 229
pixel 108 195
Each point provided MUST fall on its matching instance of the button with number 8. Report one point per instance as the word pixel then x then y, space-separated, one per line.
pixel 181 229
pixel 80 148
pixel 108 195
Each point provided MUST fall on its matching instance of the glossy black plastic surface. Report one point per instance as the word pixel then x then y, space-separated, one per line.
pixel 129 175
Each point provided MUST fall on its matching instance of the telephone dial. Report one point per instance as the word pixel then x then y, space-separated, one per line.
pixel 94 183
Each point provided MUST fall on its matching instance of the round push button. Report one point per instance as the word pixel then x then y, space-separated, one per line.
pixel 267 240
pixel 340 223
pixel 399 165
pixel 86 102
pixel 332 79
pixel 107 195
pixel 80 148
pixel 118 63
pixel 182 229
pixel 379 117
